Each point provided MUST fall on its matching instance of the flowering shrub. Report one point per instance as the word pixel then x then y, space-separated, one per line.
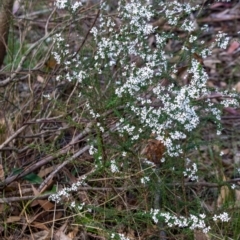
pixel 138 84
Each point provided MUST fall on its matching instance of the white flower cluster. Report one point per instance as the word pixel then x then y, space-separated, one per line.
pixel 65 192
pixel 101 128
pixel 176 107
pixel 230 100
pixel 135 12
pixel 188 26
pixel 177 103
pixel 145 180
pixel 223 217
pixel 177 113
pixel 113 166
pixel 192 38
pixel 193 222
pixel 126 41
pixel 91 111
pixel 63 4
pixel 69 61
pixel 190 172
pixel 129 129
pixel 137 79
pixel 206 52
pixel 92 150
pixel 78 206
pixel 222 40
pixel 61 52
pixel 173 12
pixel 119 236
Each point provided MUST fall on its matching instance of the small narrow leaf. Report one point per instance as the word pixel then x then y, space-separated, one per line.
pixel 33 178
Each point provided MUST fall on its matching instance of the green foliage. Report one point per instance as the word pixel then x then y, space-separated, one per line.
pixel 144 110
pixel 33 178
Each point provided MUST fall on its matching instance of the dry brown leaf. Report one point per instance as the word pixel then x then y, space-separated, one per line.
pixel 12 219
pixel 51 63
pixel 224 194
pixel 225 151
pixel 69 175
pixel 58 215
pixel 217 5
pixel 40 79
pixel 211 63
pixel 73 233
pixel 233 46
pixel 2 175
pixel 60 235
pixel 159 23
pixel 236 204
pixel 13 186
pixel 237 87
pixel 42 235
pixel 48 185
pixel 40 226
pixel 130 234
pixel 43 172
pixel 3 128
pixel 237 195
pixel 2 207
pixel 231 110
pixel 223 15
pixel 153 151
pixel 199 235
pixel 45 204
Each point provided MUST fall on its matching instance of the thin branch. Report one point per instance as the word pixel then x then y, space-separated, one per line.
pixel 206 184
pixel 23 198
pixel 47 159
pixel 50 176
pixel 85 38
pixel 12 136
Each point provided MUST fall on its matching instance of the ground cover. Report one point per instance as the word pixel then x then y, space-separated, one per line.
pixel 121 121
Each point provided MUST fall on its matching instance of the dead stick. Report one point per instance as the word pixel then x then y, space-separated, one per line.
pixel 23 198
pixel 50 176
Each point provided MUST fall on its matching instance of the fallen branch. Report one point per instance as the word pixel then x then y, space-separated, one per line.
pixel 24 198
pixel 47 159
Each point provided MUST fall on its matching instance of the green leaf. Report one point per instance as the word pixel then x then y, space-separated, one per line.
pixel 33 178
pixel 17 171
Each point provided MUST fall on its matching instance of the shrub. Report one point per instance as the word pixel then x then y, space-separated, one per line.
pixel 134 96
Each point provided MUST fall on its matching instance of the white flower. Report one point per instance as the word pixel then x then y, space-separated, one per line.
pixel 75 6
pixel 47 96
pixel 223 217
pixel 193 222
pixel 122 236
pixel 81 76
pixel 61 4
pixel 145 180
pixel 113 166
pixel 191 172
pixel 222 40
pixel 92 150
pixel 80 207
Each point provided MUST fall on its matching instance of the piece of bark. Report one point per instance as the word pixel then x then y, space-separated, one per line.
pixel 5 18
